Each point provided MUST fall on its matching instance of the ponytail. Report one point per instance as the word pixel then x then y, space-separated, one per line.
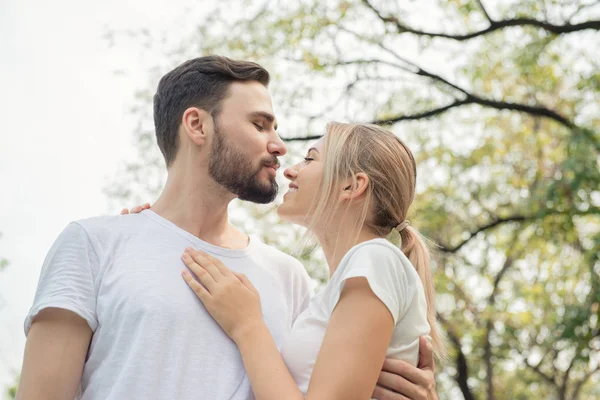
pixel 414 247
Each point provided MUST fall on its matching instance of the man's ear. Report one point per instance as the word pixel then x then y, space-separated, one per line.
pixel 197 124
pixel 353 189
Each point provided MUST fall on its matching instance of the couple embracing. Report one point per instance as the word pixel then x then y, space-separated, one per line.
pixel 173 302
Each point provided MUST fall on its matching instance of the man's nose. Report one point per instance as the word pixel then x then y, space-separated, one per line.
pixel 276 146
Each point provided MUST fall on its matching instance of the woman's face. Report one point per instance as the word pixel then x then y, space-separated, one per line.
pixel 305 180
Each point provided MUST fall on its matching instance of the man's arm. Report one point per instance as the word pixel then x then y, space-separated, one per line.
pixel 55 352
pixel 401 381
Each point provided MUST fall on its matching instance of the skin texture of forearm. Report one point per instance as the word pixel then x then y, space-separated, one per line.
pixel 268 374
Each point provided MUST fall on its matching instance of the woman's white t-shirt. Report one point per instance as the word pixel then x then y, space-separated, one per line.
pixel 394 281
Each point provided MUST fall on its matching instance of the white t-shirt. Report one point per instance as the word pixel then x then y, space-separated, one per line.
pixel 152 338
pixel 394 281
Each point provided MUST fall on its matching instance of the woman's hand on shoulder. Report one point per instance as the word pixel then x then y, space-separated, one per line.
pixel 136 209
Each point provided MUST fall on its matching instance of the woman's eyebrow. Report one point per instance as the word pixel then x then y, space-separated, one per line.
pixel 312 149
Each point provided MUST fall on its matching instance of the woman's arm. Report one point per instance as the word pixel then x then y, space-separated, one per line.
pixel 351 355
pixel 355 344
pixel 350 358
pixel 268 374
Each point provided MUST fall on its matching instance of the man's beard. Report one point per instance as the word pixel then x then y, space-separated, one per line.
pixel 230 168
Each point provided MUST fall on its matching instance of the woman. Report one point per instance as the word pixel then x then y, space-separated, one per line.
pixel 354 187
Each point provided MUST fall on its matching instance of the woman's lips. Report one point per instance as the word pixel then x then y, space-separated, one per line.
pixel 293 188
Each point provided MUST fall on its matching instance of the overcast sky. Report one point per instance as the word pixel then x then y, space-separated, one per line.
pixel 64 131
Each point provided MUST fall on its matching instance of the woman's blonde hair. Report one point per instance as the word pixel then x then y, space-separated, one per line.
pixel 391 169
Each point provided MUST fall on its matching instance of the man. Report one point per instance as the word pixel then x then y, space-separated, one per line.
pixel 112 318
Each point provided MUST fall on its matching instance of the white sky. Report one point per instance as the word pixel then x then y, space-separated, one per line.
pixel 65 128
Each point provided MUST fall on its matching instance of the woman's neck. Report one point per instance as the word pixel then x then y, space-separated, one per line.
pixel 337 242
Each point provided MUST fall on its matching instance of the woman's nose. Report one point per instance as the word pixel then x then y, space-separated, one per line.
pixel 290 173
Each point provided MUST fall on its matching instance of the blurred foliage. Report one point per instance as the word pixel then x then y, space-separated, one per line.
pixel 500 103
pixel 12 392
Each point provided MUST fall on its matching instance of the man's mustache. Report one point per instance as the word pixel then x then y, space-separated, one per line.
pixel 271 162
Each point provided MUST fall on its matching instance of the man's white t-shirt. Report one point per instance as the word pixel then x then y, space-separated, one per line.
pixel 152 337
pixel 392 278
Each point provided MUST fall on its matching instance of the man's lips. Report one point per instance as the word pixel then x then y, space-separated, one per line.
pixel 272 169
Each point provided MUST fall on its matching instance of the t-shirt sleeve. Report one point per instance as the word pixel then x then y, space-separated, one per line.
pixel 385 271
pixel 67 277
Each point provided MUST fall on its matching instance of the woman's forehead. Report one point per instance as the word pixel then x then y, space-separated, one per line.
pixel 319 145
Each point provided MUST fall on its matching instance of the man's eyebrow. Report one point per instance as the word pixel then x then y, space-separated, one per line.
pixel 269 117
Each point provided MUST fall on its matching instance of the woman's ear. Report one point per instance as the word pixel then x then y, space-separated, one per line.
pixel 196 123
pixel 354 187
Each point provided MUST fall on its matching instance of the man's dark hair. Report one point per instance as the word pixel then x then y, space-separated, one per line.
pixel 202 82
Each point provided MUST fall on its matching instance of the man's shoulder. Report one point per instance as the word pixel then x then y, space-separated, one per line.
pixel 272 251
pixel 102 227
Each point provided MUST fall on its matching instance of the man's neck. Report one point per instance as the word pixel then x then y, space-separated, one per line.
pixel 198 205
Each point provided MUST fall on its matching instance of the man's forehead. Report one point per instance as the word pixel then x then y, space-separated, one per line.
pixel 254 92
pixel 250 99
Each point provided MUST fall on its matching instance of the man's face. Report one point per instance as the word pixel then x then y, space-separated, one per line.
pixel 245 145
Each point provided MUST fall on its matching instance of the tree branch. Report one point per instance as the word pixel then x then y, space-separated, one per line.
pixel 422 115
pixel 494 26
pixel 492 224
pixel 302 138
pixel 388 121
pixel 583 381
pixel 462 366
pixel 537 370
pixel 490 324
pixel 533 110
pixel 565 381
pixel 484 11
pixel 515 218
pixel 507 264
pixel 469 98
pixel 487 356
pixel 472 98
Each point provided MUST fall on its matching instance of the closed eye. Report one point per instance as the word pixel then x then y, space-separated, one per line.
pixel 258 127
pixel 308 159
